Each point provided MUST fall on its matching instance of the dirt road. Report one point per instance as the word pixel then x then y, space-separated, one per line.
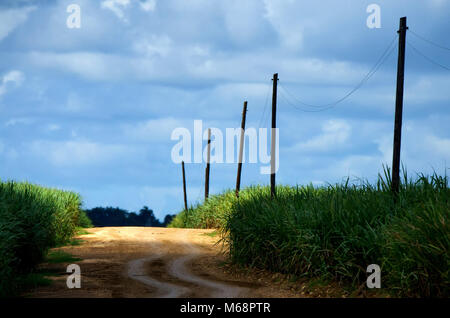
pixel 156 262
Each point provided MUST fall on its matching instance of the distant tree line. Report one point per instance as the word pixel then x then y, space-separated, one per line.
pixel 109 216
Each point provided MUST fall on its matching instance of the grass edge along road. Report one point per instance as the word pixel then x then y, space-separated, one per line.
pixel 334 232
pixel 33 219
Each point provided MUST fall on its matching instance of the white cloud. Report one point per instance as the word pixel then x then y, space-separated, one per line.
pixel 279 14
pixel 95 66
pixel 11 19
pixel 21 120
pixel 75 103
pixel 116 6
pixel 156 45
pixel 335 133
pixel 160 59
pixel 69 153
pixel 385 147
pixel 438 3
pixel 148 5
pixel 421 150
pixel 439 146
pixel 427 88
pixel 228 91
pixel 153 130
pixel 243 20
pixel 359 166
pixel 14 77
pixel 53 127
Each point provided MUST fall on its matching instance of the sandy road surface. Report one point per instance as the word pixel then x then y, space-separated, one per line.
pixel 153 262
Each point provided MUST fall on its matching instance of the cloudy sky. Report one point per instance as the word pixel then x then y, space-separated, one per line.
pixel 92 109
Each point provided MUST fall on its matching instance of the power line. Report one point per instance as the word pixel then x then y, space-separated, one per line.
pixel 429 59
pixel 265 107
pixel 266 118
pixel 429 41
pixel 325 107
pixel 387 52
pixel 284 97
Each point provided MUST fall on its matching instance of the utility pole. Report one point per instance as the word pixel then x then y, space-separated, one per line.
pixel 399 106
pixel 208 160
pixel 184 187
pixel 274 126
pixel 241 150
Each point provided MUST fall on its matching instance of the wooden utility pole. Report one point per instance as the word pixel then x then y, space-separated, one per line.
pixel 241 150
pixel 184 187
pixel 274 126
pixel 399 106
pixel 208 160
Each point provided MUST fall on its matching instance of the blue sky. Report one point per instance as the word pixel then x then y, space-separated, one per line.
pixel 92 109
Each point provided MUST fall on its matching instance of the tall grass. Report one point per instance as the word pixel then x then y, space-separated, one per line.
pixel 335 232
pixel 32 219
pixel 214 212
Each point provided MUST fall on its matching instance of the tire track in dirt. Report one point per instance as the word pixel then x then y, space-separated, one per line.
pixel 177 280
pixel 137 271
pixel 178 268
pixel 130 262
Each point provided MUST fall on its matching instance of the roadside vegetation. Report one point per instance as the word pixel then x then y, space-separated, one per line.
pixel 33 219
pixel 334 232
